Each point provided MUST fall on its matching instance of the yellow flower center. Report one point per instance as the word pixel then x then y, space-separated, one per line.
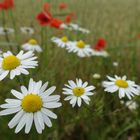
pixel 31 103
pixel 10 62
pixel 81 44
pixel 78 91
pixel 32 42
pixel 121 83
pixel 64 39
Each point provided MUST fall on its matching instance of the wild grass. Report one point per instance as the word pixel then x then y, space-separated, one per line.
pixel 105 118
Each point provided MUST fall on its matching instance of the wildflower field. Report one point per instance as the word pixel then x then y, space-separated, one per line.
pixel 69 69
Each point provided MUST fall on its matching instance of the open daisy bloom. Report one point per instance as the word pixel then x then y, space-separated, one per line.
pixel 63 26
pixel 115 64
pixel 27 30
pixel 101 53
pixel 76 27
pixel 96 76
pixel 80 48
pixel 83 30
pixel 61 42
pixel 78 91
pixel 131 105
pixel 32 45
pixel 5 30
pixel 16 64
pixel 125 87
pixel 32 104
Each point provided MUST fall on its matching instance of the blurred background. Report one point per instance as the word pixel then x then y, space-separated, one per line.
pixel 106 118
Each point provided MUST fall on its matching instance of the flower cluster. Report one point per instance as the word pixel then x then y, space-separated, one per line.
pixel 75 27
pixel 24 30
pixel 79 47
pixel 45 17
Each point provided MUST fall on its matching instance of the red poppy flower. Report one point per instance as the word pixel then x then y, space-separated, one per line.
pixel 44 18
pixel 7 4
pixel 69 17
pixel 100 45
pixel 56 23
pixel 62 6
pixel 138 35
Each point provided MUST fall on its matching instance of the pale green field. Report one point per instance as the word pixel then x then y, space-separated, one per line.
pixel 105 118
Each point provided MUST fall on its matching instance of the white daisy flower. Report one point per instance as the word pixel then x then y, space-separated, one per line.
pixel 80 48
pixel 61 42
pixel 76 27
pixel 83 30
pixel 131 105
pixel 27 30
pixel 125 87
pixel 102 53
pixel 16 64
pixel 78 91
pixel 64 26
pixel 31 105
pixel 115 64
pixel 5 30
pixel 96 76
pixel 32 45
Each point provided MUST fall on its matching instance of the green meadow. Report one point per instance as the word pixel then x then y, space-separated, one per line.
pixel 105 118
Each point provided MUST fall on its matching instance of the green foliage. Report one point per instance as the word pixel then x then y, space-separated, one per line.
pixel 105 118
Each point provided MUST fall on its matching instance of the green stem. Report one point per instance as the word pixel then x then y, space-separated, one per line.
pixel 14 26
pixel 6 34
